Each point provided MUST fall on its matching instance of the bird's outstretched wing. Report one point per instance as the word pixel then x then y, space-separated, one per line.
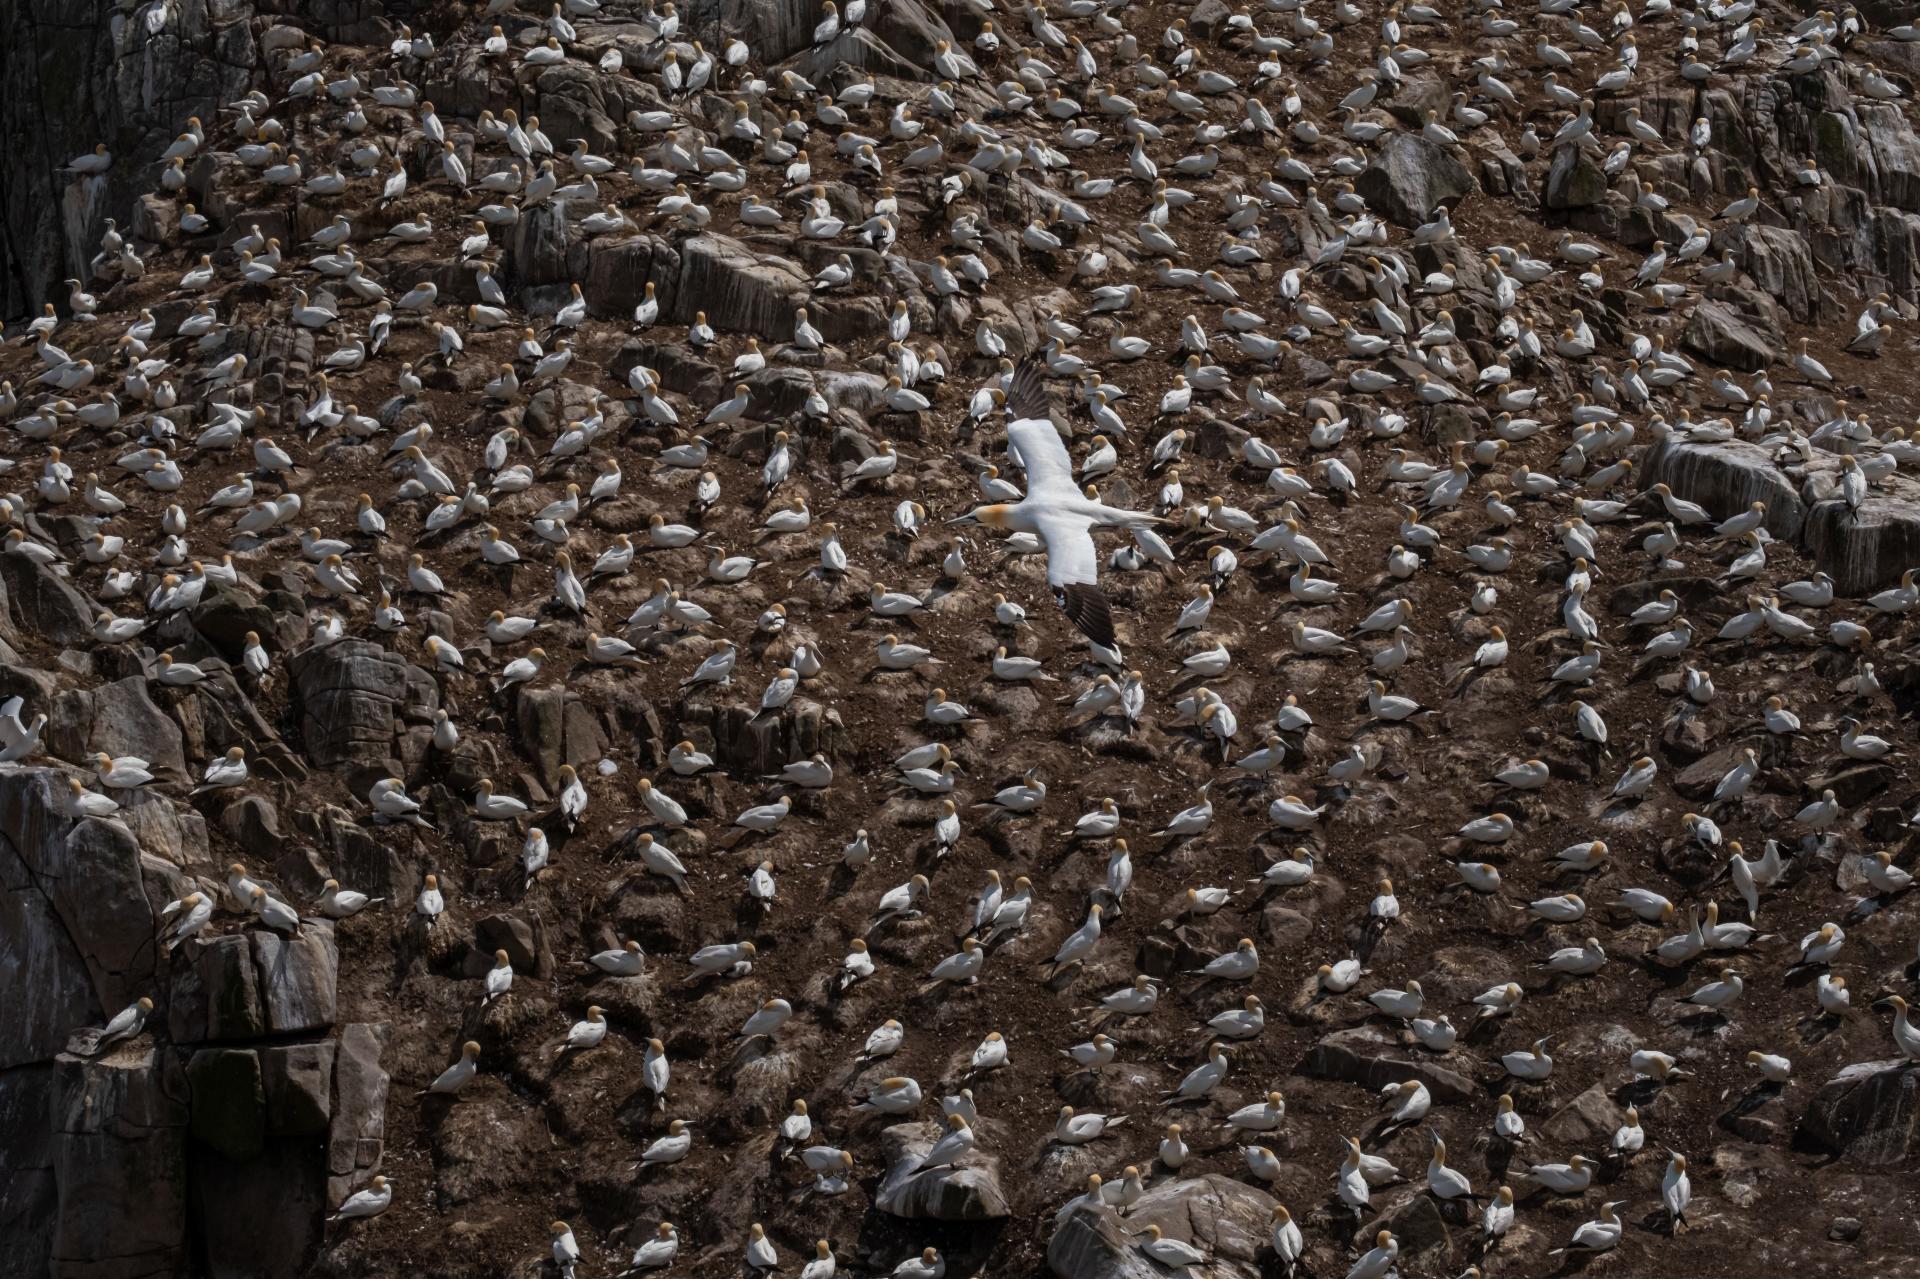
pixel 1027 392
pixel 1073 570
pixel 1031 437
pixel 1087 608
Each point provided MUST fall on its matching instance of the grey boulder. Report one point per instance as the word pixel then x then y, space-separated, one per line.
pixel 1869 1112
pixel 967 1191
pixel 1411 177
pixel 1224 1219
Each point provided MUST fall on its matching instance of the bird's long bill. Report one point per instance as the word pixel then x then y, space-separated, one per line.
pixel 968 518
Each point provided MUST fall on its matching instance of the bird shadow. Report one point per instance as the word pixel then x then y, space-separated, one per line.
pixel 1814 1029
pixel 1755 1097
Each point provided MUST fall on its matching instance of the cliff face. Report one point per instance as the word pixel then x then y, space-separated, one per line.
pixel 279 1073
pixel 127 73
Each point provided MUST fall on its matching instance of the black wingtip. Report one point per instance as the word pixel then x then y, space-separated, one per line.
pixel 1087 608
pixel 1027 392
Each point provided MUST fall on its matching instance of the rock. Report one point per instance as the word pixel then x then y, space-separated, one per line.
pixel 120 719
pixel 1781 263
pixel 1207 17
pixel 536 246
pixel 29 1194
pixel 523 940
pixel 1416 95
pixel 99 75
pixel 1855 784
pixel 297 976
pixel 1574 181
pixel 1414 1218
pixel 243 985
pixel 1867 549
pixel 1698 779
pixel 41 602
pixel 48 993
pixel 1844 1229
pixel 781 28
pixel 117 1153
pixel 1863 550
pixel 356 1134
pixel 618 269
pixel 1588 1121
pixel 969 1191
pixel 1727 479
pixel 75 925
pixel 154 219
pixel 297 1080
pixel 1410 177
pixel 576 101
pixel 761 744
pixel 1223 1218
pixel 350 695
pixel 1365 1055
pixel 261 1218
pixel 374 861
pixel 229 1101
pixel 225 616
pixel 1715 331
pixel 556 728
pixel 736 287
pixel 912 30
pixel 216 992
pixel 1895 152
pixel 1869 1112
pixel 252 823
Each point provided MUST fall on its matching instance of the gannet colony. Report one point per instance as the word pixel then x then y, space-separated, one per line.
pixel 1097 638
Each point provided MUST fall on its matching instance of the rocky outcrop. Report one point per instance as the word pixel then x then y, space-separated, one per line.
pixel 1781 263
pixel 1869 1112
pixel 557 728
pixel 356 1130
pixel 1366 1056
pixel 78 926
pixel 113 1159
pixel 761 744
pixel 352 696
pixel 1728 477
pixel 967 1191
pixel 118 1165
pixel 40 601
pixel 1870 548
pixel 74 73
pixel 119 718
pixel 1862 550
pixel 1718 332
pixel 1574 181
pixel 1410 177
pixel 1223 1218
pixel 736 287
pixel 245 985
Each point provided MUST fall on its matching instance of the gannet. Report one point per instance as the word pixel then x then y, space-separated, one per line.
pixel 658 1252
pixel 669 1148
pixel 1054 507
pixel 1600 1235
pixel 125 1024
pixel 370 1202
pixel 1906 1035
